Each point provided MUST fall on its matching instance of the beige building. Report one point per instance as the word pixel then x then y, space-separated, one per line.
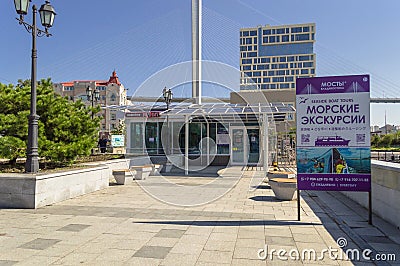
pixel 112 93
pixel 272 57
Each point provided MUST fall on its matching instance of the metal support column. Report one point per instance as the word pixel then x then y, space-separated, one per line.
pixel 196 51
pixel 265 143
pixel 186 145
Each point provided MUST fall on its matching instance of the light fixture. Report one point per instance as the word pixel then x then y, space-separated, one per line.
pixel 47 14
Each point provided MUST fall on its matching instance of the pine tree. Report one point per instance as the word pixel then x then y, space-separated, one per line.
pixel 66 129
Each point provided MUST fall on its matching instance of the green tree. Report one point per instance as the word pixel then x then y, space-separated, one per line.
pixel 375 141
pixel 387 140
pixel 66 129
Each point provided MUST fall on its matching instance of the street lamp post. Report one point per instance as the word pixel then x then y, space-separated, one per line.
pixel 47 15
pixel 92 96
pixel 167 94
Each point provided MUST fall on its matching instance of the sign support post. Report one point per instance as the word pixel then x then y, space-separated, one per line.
pixel 298 204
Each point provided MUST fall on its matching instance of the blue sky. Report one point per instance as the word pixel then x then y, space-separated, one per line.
pixel 138 38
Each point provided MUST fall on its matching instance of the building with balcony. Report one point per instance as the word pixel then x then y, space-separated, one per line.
pixel 112 93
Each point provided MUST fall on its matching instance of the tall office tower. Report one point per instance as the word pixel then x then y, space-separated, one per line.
pixel 272 57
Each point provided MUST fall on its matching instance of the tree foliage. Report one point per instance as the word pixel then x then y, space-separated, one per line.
pixel 390 140
pixel 66 129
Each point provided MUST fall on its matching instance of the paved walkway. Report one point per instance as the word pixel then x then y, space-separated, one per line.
pixel 124 225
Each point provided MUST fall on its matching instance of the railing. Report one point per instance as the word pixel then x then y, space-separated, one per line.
pixel 384 155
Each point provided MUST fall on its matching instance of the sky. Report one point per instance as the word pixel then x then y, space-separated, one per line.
pixel 139 38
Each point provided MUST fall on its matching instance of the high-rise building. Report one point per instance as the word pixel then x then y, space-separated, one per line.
pixel 111 91
pixel 272 57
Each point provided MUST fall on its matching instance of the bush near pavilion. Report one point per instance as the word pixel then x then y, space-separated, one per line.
pixel 65 128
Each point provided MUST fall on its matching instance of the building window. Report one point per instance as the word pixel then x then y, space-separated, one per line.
pixel 253 33
pixel 280 72
pixel 249 41
pixel 280 31
pixel 302 37
pixel 272 39
pixel 284 86
pixel 304 71
pixel 266 32
pixel 245 33
pixel 113 97
pixel 113 117
pixel 69 88
pixel 304 58
pixel 307 64
pixel 285 38
pixel 246 61
pixel 296 29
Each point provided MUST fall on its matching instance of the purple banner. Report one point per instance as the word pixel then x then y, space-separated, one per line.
pixel 336 84
pixel 333 133
pixel 338 182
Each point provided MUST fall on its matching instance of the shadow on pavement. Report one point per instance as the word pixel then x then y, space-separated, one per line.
pixel 230 223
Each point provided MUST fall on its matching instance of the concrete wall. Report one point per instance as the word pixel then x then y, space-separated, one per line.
pixel 385 192
pixel 33 191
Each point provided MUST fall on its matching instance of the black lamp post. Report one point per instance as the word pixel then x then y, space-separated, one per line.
pixel 167 94
pixel 92 96
pixel 47 15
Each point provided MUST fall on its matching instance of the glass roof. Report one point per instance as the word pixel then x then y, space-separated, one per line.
pixel 227 109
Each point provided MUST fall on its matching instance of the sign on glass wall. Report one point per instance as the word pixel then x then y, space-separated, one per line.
pixel 333 133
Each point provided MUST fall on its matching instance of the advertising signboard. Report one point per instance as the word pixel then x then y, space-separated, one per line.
pixel 333 133
pixel 117 140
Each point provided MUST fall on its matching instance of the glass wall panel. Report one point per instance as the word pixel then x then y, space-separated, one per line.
pixel 151 133
pixel 136 138
pixel 223 139
pixel 178 144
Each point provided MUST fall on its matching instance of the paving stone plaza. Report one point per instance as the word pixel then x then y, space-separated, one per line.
pixel 124 225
